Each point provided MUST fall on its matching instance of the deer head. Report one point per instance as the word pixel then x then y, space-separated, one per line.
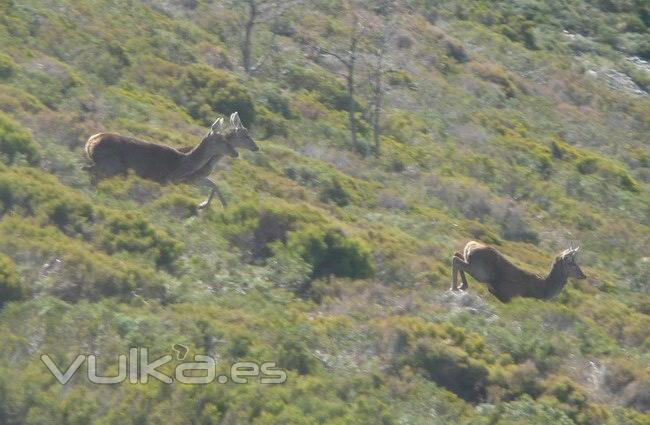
pixel 567 257
pixel 215 135
pixel 238 136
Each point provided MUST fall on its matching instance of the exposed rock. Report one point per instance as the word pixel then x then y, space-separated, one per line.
pixel 620 81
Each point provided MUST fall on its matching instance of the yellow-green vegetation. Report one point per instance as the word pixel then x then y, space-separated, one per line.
pixel 524 124
pixel 10 289
pixel 16 142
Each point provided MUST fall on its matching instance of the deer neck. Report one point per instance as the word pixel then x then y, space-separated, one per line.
pixel 228 137
pixel 194 159
pixel 204 149
pixel 554 281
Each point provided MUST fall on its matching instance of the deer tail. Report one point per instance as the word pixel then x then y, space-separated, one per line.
pixel 90 145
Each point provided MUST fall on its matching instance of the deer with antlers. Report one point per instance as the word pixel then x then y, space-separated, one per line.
pixel 113 154
pixel 237 137
pixel 505 280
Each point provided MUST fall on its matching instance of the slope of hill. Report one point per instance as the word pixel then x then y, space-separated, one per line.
pixel 524 124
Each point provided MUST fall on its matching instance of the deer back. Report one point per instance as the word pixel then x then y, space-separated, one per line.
pixel 505 280
pixel 114 154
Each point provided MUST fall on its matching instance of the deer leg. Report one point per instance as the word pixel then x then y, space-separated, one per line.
pixel 213 189
pixel 92 173
pixel 462 272
pixel 458 265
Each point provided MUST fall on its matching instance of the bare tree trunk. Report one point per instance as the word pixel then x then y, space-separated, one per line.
pixel 248 36
pixel 387 7
pixel 348 60
pixel 350 81
pixel 378 95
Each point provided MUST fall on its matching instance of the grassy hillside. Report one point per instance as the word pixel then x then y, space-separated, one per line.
pixel 521 123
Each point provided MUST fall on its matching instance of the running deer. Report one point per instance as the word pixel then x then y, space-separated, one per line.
pixel 113 154
pixel 237 137
pixel 505 280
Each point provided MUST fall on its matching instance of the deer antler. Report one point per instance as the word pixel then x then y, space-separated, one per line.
pixel 570 251
pixel 217 125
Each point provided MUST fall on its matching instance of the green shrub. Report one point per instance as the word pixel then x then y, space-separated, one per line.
pixel 447 355
pixel 587 165
pixel 270 123
pixel 288 270
pixel 328 91
pixel 572 398
pixel 515 227
pixel 530 412
pixel 619 373
pixel 7 66
pixel 134 234
pixel 333 191
pixel 69 214
pixel 278 102
pixel 330 252
pixel 294 353
pixel 398 78
pixel 31 192
pixel 517 380
pixel 261 229
pixel 14 101
pixel 456 50
pixel 509 83
pixel 16 141
pixel 10 287
pixel 609 170
pixel 520 30
pixel 84 271
pixel 52 82
pixel 272 226
pixel 404 126
pixel 176 205
pixel 205 92
pixel 452 368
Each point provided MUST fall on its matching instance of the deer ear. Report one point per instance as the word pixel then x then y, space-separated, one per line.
pixel 217 125
pixel 234 120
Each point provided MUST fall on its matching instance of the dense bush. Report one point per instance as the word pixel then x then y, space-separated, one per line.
pixel 74 270
pixel 10 287
pixel 330 252
pixel 7 66
pixel 294 353
pixel 136 235
pixel 206 92
pixel 28 191
pixel 588 163
pixel 329 91
pixel 290 231
pixel 15 141
pixel 273 226
pixel 270 123
pixel 446 355
pixel 333 191
pixel 453 369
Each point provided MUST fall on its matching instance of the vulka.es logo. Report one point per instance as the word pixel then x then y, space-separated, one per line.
pixel 137 369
